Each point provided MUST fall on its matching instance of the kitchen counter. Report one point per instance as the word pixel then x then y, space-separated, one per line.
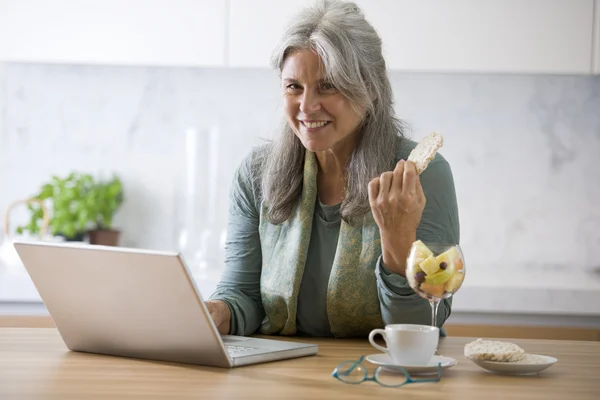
pixel 542 298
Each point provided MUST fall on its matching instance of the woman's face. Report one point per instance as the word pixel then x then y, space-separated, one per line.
pixel 319 114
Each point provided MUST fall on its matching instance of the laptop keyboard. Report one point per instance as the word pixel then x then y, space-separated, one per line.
pixel 235 350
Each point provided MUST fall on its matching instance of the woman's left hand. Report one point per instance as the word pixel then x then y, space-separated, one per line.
pixel 397 202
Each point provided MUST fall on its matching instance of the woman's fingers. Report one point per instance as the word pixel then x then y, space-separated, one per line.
pixel 409 178
pixel 373 190
pixel 399 188
pixel 419 190
pixel 412 182
pixel 385 182
pixel 396 198
pixel 399 175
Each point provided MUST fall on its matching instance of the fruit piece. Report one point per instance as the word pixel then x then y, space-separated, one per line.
pixel 419 253
pixel 454 283
pixel 442 276
pixel 416 268
pixel 420 276
pixel 415 279
pixel 447 267
pixel 421 250
pixel 433 290
pixel 416 262
pixel 430 265
pixel 448 256
pixel 458 264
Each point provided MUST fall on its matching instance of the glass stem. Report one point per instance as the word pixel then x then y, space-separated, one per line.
pixel 434 308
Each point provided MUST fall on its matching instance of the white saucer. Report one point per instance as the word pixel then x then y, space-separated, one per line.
pixel 385 361
pixel 532 364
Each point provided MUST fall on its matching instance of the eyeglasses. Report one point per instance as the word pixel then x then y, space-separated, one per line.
pixel 354 372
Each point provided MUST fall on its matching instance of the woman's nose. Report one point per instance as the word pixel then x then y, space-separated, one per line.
pixel 309 102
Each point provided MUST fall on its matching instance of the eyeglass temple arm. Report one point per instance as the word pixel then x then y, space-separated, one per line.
pixel 349 370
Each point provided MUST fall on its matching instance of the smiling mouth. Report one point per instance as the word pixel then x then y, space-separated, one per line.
pixel 315 124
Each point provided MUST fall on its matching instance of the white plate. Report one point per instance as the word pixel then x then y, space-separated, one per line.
pixel 532 364
pixel 385 361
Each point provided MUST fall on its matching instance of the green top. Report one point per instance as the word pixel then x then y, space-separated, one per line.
pixel 240 284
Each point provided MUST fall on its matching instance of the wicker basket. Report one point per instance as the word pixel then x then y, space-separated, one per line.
pixel 45 218
pixel 9 258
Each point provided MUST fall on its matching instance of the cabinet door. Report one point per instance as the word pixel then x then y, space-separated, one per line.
pixel 255 27
pixel 506 36
pixel 122 32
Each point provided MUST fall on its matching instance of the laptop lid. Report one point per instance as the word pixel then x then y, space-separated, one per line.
pixel 125 302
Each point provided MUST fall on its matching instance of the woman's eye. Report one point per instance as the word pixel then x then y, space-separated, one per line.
pixel 292 86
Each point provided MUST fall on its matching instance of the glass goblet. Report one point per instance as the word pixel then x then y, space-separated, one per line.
pixel 435 271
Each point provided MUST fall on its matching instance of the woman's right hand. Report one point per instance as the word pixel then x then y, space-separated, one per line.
pixel 219 312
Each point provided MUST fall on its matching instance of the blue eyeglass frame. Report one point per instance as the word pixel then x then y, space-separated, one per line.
pixel 338 374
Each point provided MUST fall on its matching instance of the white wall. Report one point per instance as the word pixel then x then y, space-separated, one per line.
pixel 525 150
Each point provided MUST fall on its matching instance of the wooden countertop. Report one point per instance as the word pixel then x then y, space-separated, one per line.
pixel 35 364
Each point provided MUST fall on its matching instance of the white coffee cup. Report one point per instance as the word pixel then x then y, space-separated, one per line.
pixel 408 344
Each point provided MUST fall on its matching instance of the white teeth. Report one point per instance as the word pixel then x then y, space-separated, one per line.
pixel 315 124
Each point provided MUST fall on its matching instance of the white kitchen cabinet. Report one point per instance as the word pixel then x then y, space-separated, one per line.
pixel 495 36
pixel 504 36
pixel 487 36
pixel 255 27
pixel 130 32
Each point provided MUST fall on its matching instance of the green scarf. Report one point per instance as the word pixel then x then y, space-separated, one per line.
pixel 352 299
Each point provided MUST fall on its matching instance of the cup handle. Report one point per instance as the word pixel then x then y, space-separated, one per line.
pixel 372 335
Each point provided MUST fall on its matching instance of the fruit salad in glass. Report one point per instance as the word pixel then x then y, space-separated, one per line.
pixel 435 271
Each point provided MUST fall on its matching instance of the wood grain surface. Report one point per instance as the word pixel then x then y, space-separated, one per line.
pixel 35 364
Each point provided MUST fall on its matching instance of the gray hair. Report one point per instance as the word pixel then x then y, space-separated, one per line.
pixel 350 50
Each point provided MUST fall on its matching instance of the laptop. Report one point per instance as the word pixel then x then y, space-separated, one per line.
pixel 138 304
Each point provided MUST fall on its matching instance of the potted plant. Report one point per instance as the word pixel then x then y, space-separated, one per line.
pixel 72 206
pixel 108 199
pixel 79 206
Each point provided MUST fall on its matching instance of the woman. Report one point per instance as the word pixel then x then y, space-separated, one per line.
pixel 322 219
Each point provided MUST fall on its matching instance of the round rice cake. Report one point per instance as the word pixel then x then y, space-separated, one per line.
pixel 493 350
pixel 425 151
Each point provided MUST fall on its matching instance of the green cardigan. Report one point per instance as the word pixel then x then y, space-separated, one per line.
pixel 265 263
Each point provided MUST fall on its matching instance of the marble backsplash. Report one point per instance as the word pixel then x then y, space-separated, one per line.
pixel 524 150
